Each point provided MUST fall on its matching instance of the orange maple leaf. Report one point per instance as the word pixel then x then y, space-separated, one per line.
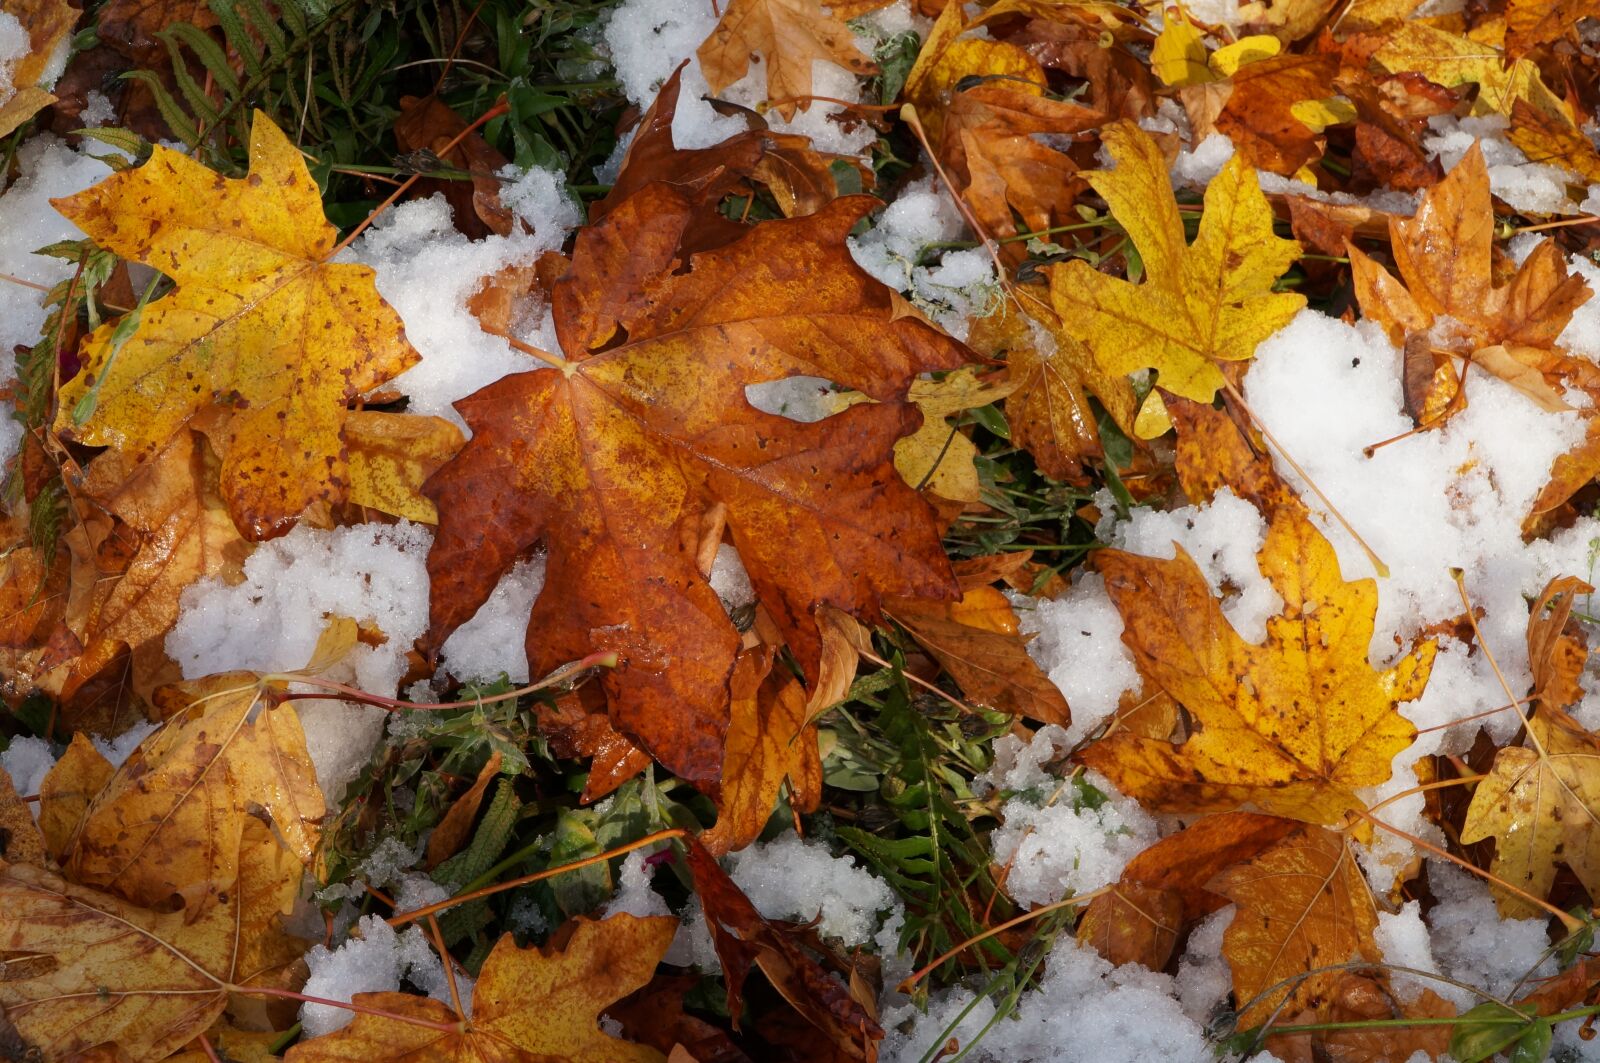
pixel 611 458
pixel 790 35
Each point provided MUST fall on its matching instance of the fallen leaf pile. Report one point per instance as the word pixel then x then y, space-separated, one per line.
pixel 218 373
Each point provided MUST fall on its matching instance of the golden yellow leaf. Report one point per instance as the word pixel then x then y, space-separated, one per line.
pixel 199 777
pixel 529 1004
pixel 1553 138
pixel 23 842
pixel 83 968
pixel 64 796
pixel 1227 60
pixel 1200 304
pixel 390 457
pixel 259 322
pixel 1451 60
pixel 1293 726
pixel 1541 804
pixel 1179 55
pixel 1302 905
pixel 789 35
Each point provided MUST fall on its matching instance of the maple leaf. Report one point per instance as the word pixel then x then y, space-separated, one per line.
pixel 84 968
pixel 1552 138
pixel 185 534
pixel 1132 923
pixel 46 23
pixel 1302 905
pixel 528 1004
pixel 1451 60
pixel 1355 998
pixel 978 642
pixel 390 457
pixel 791 35
pixel 769 740
pixel 1532 23
pixel 1293 726
pixel 1541 804
pixel 198 777
pixel 259 323
pixel 612 458
pixel 1201 304
pixel 1510 330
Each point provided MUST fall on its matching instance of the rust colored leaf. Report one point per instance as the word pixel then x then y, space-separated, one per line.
pixel 1532 23
pixel 789 35
pixel 258 323
pixel 1185 863
pixel 427 123
pixel 1293 726
pixel 768 741
pixel 456 826
pixel 744 938
pixel 977 641
pixel 1133 924
pixel 1558 647
pixel 1302 904
pixel 529 1004
pixel 1257 114
pixel 20 839
pixel 1364 998
pixel 611 460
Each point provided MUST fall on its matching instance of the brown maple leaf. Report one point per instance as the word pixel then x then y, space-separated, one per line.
pixel 789 35
pixel 1448 306
pixel 612 458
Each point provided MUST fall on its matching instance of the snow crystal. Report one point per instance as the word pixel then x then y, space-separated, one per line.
pixel 1019 765
pixel 427 270
pixel 730 580
pixel 1534 188
pixel 1405 941
pixel 960 285
pixel 14 45
pixel 118 749
pixel 1066 847
pixel 634 894
pixel 417 890
pixel 1083 1011
pixel 371 573
pixel 28 760
pixel 1080 646
pixel 1472 944
pixel 1199 166
pixel 98 111
pixel 1204 978
pixel 791 878
pixel 373 960
pixel 49 169
pixel 493 640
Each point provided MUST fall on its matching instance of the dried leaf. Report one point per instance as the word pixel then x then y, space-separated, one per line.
pixel 1201 304
pixel 769 740
pixel 391 456
pixel 790 35
pixel 1293 726
pixel 528 1004
pixel 977 641
pixel 259 323
pixel 1302 905
pixel 612 459
pixel 47 23
pixel 456 826
pixel 1133 924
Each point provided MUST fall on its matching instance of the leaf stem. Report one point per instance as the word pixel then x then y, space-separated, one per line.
pixel 912 980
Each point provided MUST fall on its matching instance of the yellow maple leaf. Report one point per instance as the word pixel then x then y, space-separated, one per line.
pixel 528 1004
pixel 1541 804
pixel 259 322
pixel 1451 60
pixel 1201 304
pixel 1293 726
pixel 791 35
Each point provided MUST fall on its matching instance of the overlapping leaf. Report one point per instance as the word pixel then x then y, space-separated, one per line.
pixel 611 458
pixel 259 323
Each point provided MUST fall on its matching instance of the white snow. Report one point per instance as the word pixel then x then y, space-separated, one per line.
pixel 373 960
pixel 49 169
pixel 427 271
pixel 14 45
pixel 1083 1011
pixel 1530 187
pixel 28 760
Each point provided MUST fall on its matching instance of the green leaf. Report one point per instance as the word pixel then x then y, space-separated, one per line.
pixel 1484 1030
